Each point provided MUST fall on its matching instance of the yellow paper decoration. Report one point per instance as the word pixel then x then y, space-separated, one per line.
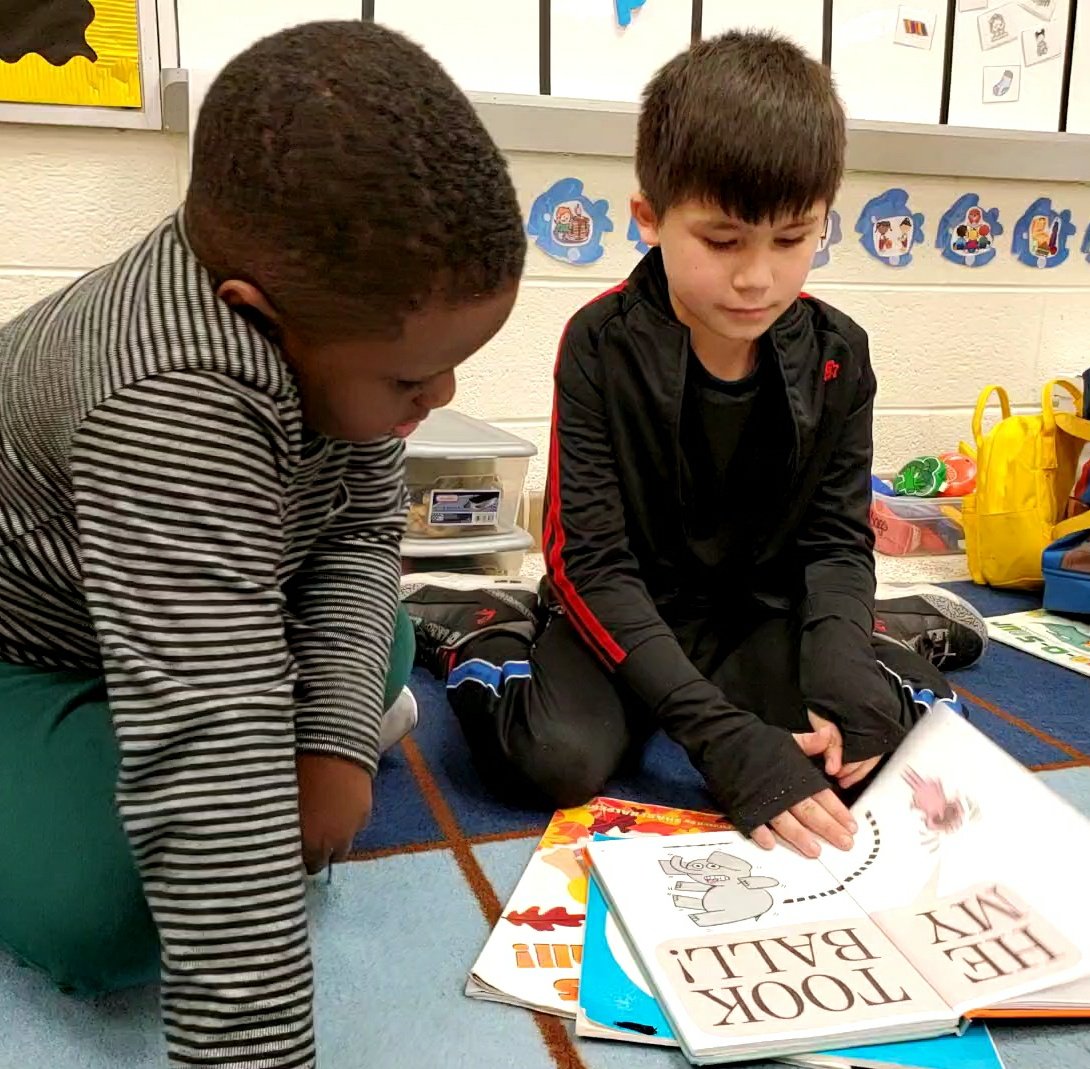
pixel 110 81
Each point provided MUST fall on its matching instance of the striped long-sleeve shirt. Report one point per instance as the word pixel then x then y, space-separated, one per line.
pixel 165 516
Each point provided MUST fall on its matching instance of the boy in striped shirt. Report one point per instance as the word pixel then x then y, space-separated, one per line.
pixel 201 504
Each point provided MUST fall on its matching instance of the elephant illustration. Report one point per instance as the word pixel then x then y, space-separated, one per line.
pixel 719 889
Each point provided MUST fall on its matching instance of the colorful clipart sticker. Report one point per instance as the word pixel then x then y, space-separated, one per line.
pixel 625 9
pixel 830 236
pixel 888 228
pixel 567 225
pixel 1041 235
pixel 967 232
pixel 634 236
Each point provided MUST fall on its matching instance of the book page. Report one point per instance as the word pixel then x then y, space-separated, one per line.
pixel 971 873
pixel 740 943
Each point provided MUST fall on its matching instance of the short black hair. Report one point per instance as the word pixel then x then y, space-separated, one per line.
pixel 746 121
pixel 338 167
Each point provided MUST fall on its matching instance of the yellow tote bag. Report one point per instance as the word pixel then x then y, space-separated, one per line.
pixel 1026 470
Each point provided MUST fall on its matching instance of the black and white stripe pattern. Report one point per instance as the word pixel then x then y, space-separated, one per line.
pixel 164 514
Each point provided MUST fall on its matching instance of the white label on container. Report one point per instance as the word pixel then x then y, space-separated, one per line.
pixel 464 508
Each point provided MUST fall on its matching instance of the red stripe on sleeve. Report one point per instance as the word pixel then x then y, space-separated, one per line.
pixel 592 630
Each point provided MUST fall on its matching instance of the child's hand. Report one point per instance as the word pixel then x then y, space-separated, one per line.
pixel 823 814
pixel 334 804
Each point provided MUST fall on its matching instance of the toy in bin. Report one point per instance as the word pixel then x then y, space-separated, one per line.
pixel 947 475
pixel 920 513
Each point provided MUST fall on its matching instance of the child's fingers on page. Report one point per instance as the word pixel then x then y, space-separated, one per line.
pixel 822 818
pixel 832 805
pixel 763 837
pixel 791 830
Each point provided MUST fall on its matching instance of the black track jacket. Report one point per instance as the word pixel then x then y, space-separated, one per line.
pixel 615 549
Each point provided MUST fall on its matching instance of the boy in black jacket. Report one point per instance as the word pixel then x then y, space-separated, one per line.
pixel 707 538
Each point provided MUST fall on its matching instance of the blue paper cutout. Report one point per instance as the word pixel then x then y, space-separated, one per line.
pixel 888 229
pixel 625 9
pixel 634 236
pixel 1041 235
pixel 830 236
pixel 567 225
pixel 967 232
pixel 1085 250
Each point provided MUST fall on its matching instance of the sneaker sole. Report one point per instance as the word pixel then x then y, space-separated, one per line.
pixel 399 720
pixel 950 605
pixel 461 581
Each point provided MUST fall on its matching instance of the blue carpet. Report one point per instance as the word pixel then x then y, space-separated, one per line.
pixel 396 931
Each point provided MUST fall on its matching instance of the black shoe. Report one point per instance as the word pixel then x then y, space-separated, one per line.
pixel 447 610
pixel 941 627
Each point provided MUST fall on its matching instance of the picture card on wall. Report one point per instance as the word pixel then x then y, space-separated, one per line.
pixel 1043 9
pixel 1041 235
pixel 634 236
pixel 888 228
pixel 1002 85
pixel 967 232
pixel 567 225
pixel 915 27
pixel 972 5
pixel 1042 43
pixel 830 235
pixel 625 9
pixel 999 27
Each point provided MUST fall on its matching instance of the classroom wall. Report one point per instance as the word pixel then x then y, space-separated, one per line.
pixel 939 332
pixel 74 198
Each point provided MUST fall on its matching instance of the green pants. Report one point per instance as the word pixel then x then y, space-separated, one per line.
pixel 71 901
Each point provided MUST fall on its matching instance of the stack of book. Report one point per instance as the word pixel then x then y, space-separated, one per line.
pixel 959 900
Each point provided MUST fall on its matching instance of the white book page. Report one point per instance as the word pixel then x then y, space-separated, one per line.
pixel 747 947
pixel 974 875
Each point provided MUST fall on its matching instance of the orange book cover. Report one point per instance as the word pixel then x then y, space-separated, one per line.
pixel 532 957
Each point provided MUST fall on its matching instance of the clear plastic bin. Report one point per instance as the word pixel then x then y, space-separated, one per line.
pixel 917 526
pixel 465 477
pixel 480 555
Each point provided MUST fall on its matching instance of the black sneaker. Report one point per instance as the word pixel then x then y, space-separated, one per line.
pixel 447 610
pixel 943 628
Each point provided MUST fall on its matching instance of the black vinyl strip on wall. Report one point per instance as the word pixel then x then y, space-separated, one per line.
pixel 368 12
pixel 1069 57
pixel 827 34
pixel 947 61
pixel 545 55
pixel 697 30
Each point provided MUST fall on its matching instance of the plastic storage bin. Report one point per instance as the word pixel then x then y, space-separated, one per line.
pixel 501 554
pixel 465 477
pixel 917 526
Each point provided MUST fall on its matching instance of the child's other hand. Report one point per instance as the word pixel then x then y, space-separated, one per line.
pixel 856 771
pixel 825 740
pixel 334 804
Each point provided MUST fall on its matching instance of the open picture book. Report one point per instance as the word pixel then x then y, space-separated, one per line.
pixel 616 1003
pixel 960 896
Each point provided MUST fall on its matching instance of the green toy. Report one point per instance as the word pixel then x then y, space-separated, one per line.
pixel 921 477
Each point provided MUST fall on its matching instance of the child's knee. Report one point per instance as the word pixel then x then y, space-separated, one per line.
pixel 569 776
pixel 88 929
pixel 96 949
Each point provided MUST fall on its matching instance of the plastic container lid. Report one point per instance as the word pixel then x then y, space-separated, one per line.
pixel 516 541
pixel 450 435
